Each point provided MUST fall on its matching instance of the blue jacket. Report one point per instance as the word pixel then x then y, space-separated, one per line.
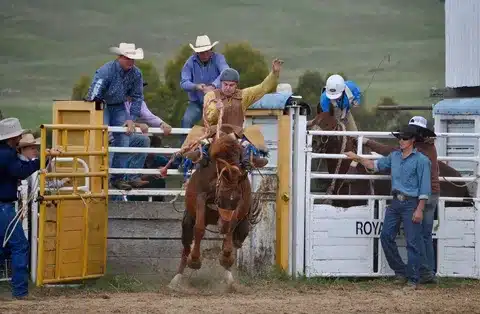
pixel 343 101
pixel 12 169
pixel 112 84
pixel 195 72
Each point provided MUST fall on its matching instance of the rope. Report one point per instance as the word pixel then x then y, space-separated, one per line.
pixel 339 163
pixel 22 210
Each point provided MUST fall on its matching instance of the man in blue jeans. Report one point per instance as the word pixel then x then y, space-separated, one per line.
pixel 12 169
pixel 112 83
pixel 200 74
pixel 411 188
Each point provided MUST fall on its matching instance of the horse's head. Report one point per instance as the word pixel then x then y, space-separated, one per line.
pixel 227 154
pixel 325 121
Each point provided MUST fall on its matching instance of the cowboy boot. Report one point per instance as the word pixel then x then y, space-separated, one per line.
pixel 193 156
pixel 259 162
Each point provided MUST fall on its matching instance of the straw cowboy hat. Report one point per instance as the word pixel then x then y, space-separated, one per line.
pixel 128 50
pixel 421 123
pixel 202 44
pixel 28 140
pixel 9 128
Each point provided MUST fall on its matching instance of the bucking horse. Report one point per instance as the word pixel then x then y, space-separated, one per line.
pixel 219 194
pixel 340 144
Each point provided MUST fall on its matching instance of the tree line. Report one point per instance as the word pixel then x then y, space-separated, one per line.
pixel 166 99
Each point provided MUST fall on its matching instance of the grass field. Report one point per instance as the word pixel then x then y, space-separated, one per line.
pixel 47 44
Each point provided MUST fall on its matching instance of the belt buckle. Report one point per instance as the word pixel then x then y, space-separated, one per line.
pixel 401 197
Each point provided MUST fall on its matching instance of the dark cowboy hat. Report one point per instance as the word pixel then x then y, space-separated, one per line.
pixel 408 132
pixel 421 124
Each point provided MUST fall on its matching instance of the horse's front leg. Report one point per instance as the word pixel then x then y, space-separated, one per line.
pixel 226 256
pixel 194 261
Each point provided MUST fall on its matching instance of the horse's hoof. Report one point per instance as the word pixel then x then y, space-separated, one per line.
pixel 176 282
pixel 194 263
pixel 226 261
pixel 230 281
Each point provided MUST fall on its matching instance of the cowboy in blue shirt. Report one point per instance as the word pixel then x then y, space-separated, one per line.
pixel 13 169
pixel 342 96
pixel 112 84
pixel 411 188
pixel 200 74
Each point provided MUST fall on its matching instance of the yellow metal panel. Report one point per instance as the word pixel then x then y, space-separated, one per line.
pixel 73 224
pixel 283 199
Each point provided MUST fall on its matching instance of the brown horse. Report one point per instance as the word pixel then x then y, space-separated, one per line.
pixel 218 193
pixel 329 144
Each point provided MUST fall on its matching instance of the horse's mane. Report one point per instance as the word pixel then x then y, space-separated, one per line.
pixel 226 148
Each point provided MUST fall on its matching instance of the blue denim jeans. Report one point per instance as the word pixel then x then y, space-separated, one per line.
pixel 192 115
pixel 428 268
pixel 402 212
pixel 116 116
pixel 17 248
pixel 137 160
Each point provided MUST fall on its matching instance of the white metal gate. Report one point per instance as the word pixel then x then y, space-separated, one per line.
pixel 344 242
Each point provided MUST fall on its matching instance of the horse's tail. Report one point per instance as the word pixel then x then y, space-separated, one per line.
pixel 268 185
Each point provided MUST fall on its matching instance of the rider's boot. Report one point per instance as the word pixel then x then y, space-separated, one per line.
pixel 259 162
pixel 195 155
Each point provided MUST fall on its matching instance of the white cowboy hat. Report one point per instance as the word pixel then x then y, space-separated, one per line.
pixel 202 44
pixel 128 50
pixel 421 122
pixel 28 140
pixel 10 127
pixel 284 88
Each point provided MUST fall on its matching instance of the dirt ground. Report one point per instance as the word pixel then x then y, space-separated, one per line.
pixel 266 297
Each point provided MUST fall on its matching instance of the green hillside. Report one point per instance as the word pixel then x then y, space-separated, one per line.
pixel 47 44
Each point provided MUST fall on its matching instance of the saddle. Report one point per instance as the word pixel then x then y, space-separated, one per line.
pixel 252 133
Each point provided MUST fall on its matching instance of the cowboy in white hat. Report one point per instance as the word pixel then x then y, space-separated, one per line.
pixel 200 74
pixel 342 96
pixel 425 145
pixel 112 84
pixel 11 170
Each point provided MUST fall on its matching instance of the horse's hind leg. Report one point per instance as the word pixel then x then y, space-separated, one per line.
pixel 188 223
pixel 193 260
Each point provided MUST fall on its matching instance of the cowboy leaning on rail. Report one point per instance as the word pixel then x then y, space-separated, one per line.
pixel 112 83
pixel 410 171
pixel 426 147
pixel 13 169
pixel 235 102
pixel 343 95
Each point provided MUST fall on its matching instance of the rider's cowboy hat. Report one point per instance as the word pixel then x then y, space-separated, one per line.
pixel 128 50
pixel 9 128
pixel 28 140
pixel 421 123
pixel 408 132
pixel 202 44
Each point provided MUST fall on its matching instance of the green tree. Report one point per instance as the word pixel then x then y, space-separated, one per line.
pixel 80 88
pixel 309 86
pixel 249 62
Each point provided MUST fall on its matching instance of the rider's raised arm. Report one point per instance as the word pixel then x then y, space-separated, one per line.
pixel 210 109
pixel 251 94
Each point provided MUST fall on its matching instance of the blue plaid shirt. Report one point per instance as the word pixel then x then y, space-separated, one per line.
pixel 112 84
pixel 411 175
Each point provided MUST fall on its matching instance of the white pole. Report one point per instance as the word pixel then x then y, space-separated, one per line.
pixel 299 196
